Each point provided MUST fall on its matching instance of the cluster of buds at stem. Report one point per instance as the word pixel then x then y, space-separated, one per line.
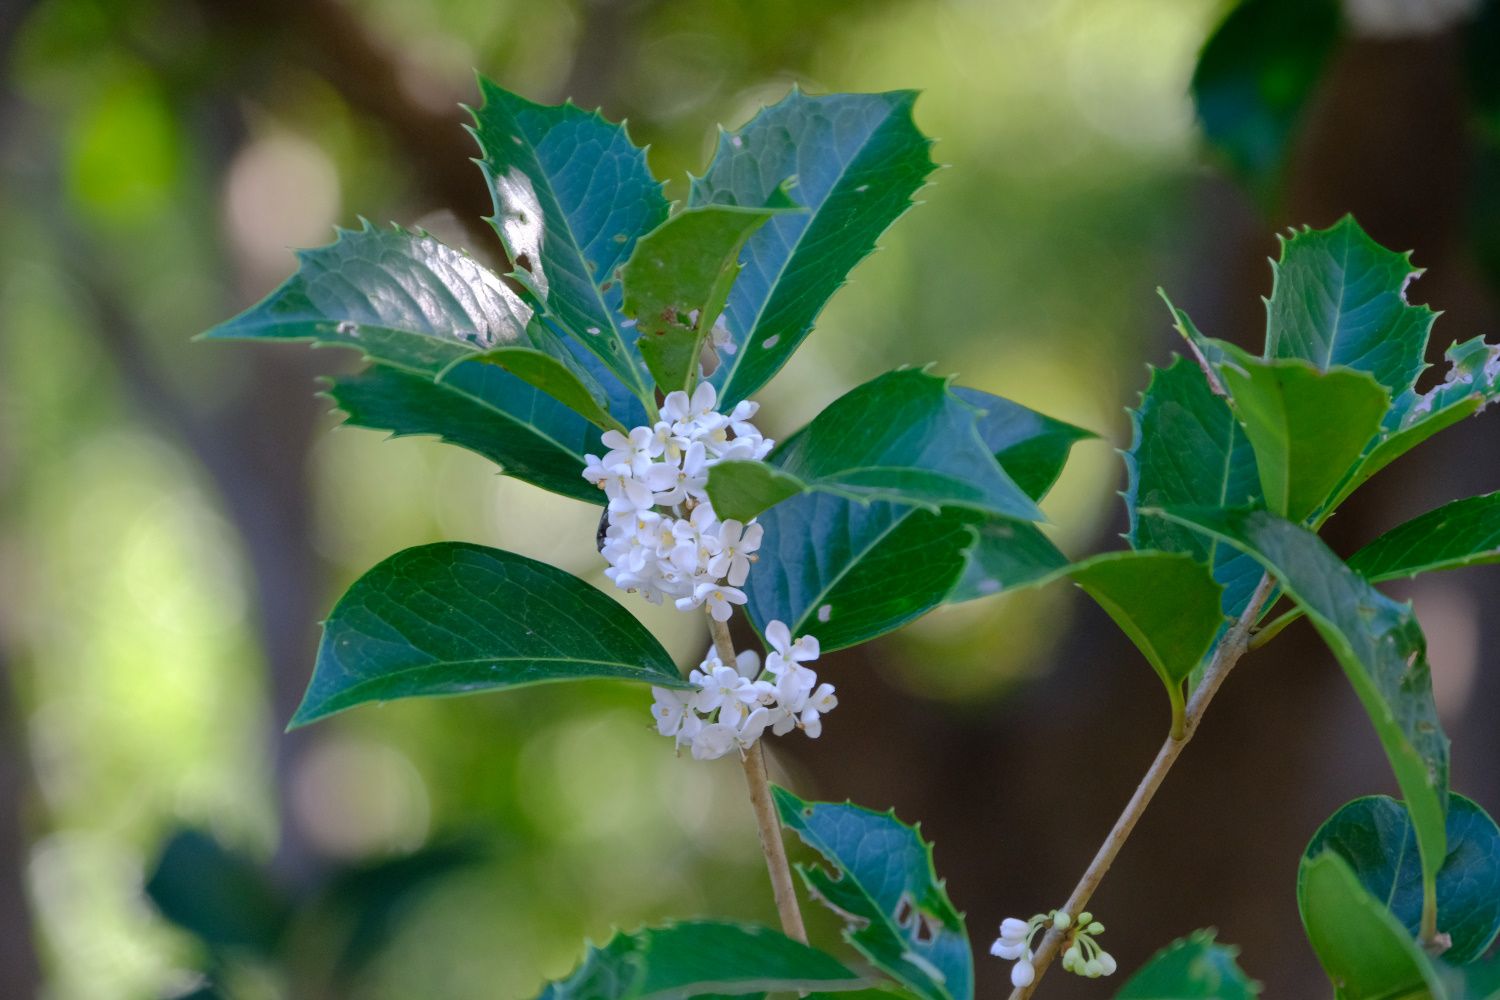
pixel 1082 955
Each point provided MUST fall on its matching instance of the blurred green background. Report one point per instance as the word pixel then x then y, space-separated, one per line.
pixel 174 518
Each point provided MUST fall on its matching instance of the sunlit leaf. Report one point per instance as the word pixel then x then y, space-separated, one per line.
pixel 555 378
pixel 1191 968
pixel 454 618
pixel 881 880
pixel 854 161
pixel 1374 835
pixel 572 195
pixel 691 961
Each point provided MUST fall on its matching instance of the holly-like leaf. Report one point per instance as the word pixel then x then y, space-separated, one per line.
pixel 1307 427
pixel 1362 947
pixel 678 279
pixel 1254 77
pixel 1374 835
pixel 572 195
pixel 1031 447
pixel 902 437
pixel 482 408
pixel 1378 643
pixel 694 960
pixel 1339 298
pixel 1188 450
pixel 854 161
pixel 848 572
pixel 1166 602
pixel 883 883
pixel 1461 533
pixel 454 618
pixel 1191 968
pixel 557 379
pixel 401 298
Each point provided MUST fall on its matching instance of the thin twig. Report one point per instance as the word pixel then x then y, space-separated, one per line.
pixel 1231 648
pixel 769 826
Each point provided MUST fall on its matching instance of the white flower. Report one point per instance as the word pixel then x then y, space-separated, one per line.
pixel 669 709
pixel 719 599
pixel 737 543
pixel 723 340
pixel 1022 973
pixel 785 651
pixel 713 741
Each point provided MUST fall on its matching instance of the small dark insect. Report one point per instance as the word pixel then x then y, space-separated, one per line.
pixel 603 528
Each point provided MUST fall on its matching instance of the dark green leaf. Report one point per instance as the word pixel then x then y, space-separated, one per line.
pixel 402 298
pixel 1254 78
pixel 902 438
pixel 1188 451
pixel 1364 949
pixel 678 279
pixel 480 407
pixel 1462 533
pixel 1006 555
pixel 1378 643
pixel 1031 447
pixel 572 195
pixel 690 961
pixel 1307 427
pixel 1166 602
pixel 225 899
pixel 1191 968
pixel 453 618
pixel 1339 298
pixel 854 160
pixel 883 883
pixel 555 378
pixel 1375 836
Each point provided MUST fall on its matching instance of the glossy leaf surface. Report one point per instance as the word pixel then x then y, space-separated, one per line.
pixel 881 880
pixel 1191 968
pixel 854 161
pixel 1374 835
pixel 557 379
pixel 454 618
pixel 1461 533
pixel 690 961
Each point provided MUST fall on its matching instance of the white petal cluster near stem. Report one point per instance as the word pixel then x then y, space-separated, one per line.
pixel 663 539
pixel 1082 954
pixel 733 706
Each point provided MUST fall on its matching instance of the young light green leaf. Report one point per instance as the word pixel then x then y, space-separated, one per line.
pixel 454 618
pixel 694 960
pixel 854 160
pixel 883 883
pixel 678 279
pixel 1188 450
pixel 572 195
pixel 1339 298
pixel 1254 78
pixel 1461 533
pixel 902 438
pixel 402 298
pixel 1166 602
pixel 1307 427
pixel 1374 835
pixel 1191 968
pixel 1378 643
pixel 555 378
pixel 482 408
pixel 741 489
pixel 1362 947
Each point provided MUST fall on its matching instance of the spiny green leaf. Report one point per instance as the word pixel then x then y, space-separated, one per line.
pixel 699 959
pixel 1461 533
pixel 1374 835
pixel 572 195
pixel 1364 949
pixel 1191 968
pixel 902 438
pixel 1166 602
pixel 678 279
pixel 556 379
pixel 402 298
pixel 454 618
pixel 1339 298
pixel 1254 77
pixel 1378 643
pixel 1005 556
pixel 1030 446
pixel 884 885
pixel 1307 427
pixel 1188 450
pixel 854 160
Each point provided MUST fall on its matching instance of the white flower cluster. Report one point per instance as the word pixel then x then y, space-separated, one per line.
pixel 663 538
pixel 735 705
pixel 1083 954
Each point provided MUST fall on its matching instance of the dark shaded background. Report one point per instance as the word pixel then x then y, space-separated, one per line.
pixel 174 518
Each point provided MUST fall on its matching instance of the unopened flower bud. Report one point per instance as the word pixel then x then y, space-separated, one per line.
pixel 1061 920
